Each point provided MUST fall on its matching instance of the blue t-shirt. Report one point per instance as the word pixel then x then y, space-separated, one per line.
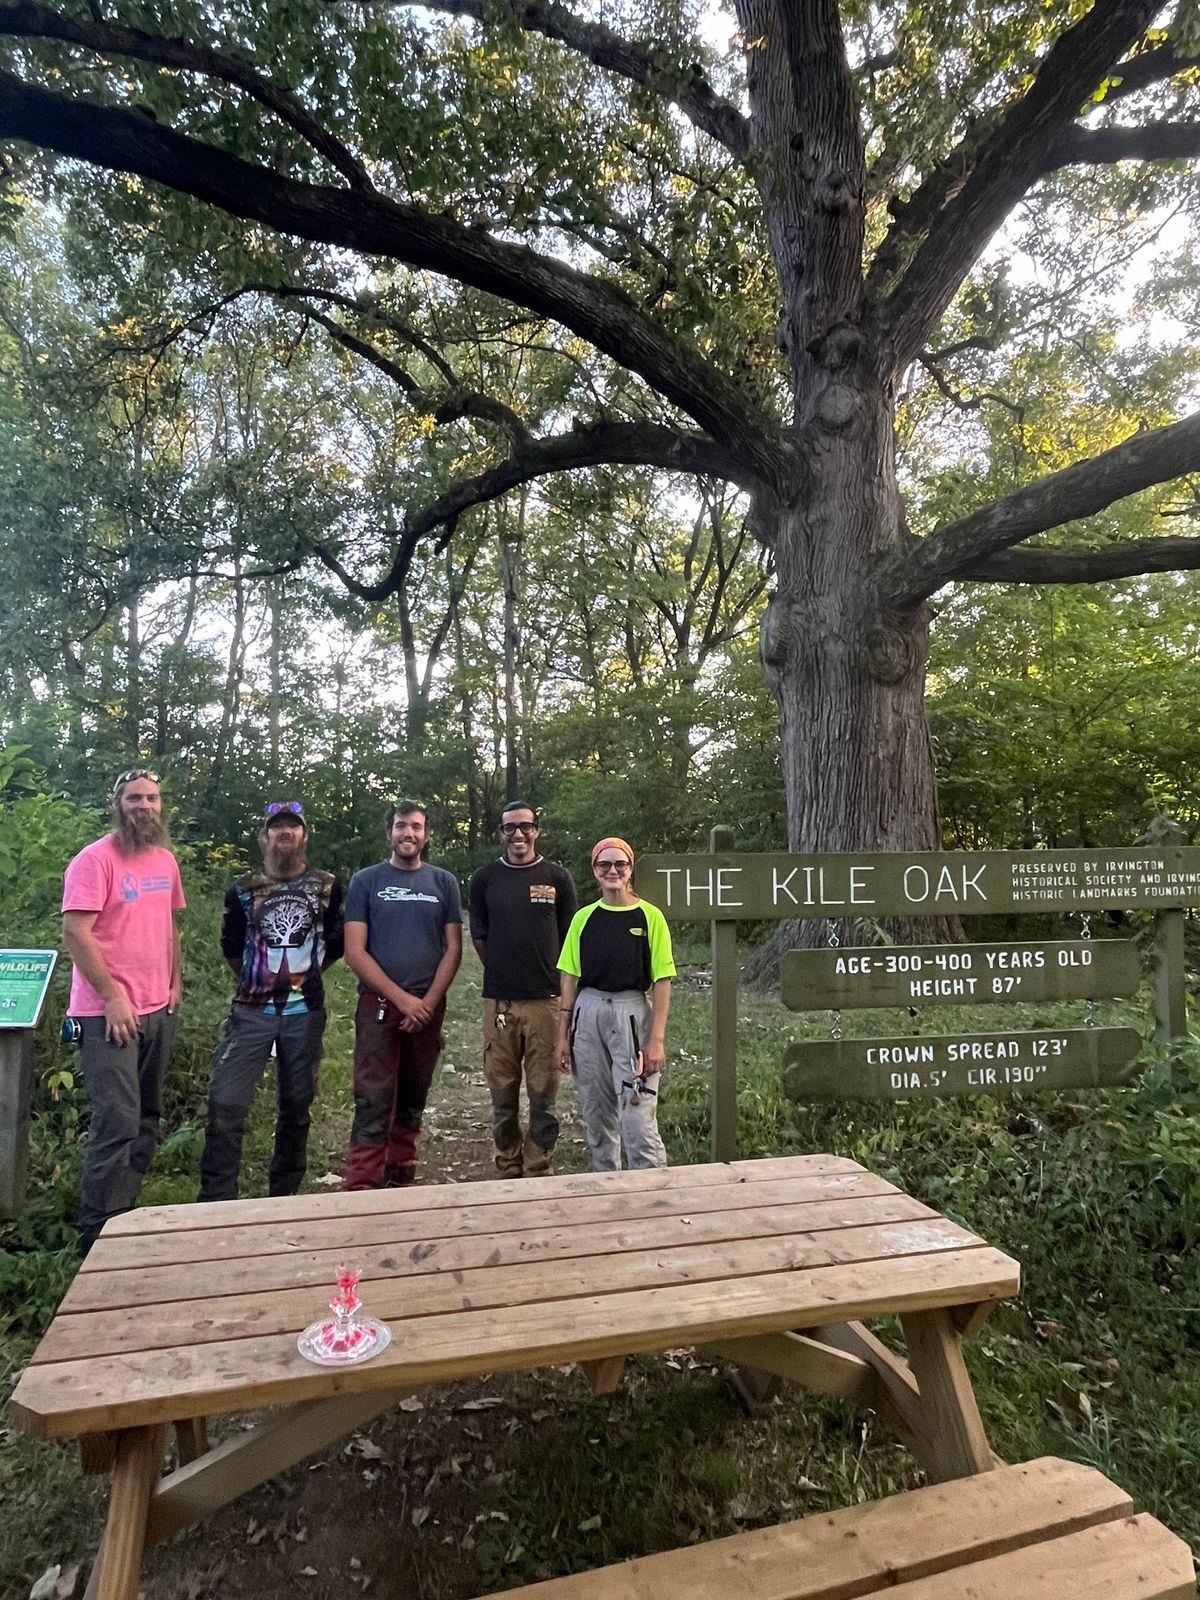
pixel 406 914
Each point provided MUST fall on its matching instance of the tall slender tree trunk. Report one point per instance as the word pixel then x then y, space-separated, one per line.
pixel 466 722
pixel 133 676
pixel 231 698
pixel 133 631
pixel 275 688
pixel 510 573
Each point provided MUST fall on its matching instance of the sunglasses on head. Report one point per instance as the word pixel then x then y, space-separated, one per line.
pixel 133 773
pixel 281 807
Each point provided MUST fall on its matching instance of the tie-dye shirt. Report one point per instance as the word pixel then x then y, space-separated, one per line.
pixel 283 930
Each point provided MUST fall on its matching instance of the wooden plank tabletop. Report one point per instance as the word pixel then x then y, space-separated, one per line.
pixel 184 1311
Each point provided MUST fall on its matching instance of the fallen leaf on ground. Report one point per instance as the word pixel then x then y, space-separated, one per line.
pixel 46 1585
pixel 359 1446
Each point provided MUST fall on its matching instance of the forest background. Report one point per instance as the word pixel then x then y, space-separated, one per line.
pixel 217 439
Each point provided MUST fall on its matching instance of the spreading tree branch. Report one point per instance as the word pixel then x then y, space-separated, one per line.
pixel 366 313
pixel 447 408
pixel 1078 564
pixel 687 87
pixel 372 224
pixel 909 575
pixel 1146 68
pixel 1008 161
pixel 28 20
pixel 639 444
pixel 1152 141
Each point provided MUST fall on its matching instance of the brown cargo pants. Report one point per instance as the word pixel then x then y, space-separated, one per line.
pixel 520 1036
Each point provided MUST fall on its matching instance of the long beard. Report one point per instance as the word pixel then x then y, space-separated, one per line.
pixel 140 830
pixel 284 861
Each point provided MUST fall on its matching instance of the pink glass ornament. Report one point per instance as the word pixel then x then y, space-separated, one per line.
pixel 346 1337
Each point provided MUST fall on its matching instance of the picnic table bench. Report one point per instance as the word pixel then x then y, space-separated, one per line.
pixel 1048 1530
pixel 182 1313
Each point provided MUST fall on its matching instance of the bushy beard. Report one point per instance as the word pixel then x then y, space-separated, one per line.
pixel 140 830
pixel 284 861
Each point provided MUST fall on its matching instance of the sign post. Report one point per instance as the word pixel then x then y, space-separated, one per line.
pixel 724 1024
pixel 24 978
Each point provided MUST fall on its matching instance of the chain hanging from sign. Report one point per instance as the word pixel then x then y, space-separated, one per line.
pixel 835 1016
pixel 1089 1005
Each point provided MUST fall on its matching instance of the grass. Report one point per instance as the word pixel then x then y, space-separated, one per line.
pixel 1097 1194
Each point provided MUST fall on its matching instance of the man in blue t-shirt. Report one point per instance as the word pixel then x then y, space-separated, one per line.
pixel 403 925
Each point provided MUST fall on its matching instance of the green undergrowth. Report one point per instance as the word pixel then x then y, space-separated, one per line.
pixel 1097 1194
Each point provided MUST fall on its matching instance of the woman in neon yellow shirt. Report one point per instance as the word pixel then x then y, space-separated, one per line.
pixel 609 1035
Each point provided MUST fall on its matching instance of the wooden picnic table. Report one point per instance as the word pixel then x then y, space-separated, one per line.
pixel 181 1313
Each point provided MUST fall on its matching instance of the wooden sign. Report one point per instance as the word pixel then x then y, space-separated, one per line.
pixel 729 886
pixel 957 974
pixel 963 1064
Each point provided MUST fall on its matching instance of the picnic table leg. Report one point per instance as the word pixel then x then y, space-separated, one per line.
pixel 956 1445
pixel 191 1440
pixel 135 1471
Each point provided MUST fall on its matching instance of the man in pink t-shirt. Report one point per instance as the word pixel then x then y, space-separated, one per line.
pixel 120 896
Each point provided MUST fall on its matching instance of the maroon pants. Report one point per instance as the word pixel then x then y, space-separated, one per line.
pixel 392 1074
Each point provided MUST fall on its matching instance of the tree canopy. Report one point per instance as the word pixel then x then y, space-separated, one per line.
pixel 908 282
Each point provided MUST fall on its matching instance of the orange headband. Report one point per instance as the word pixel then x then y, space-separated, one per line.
pixel 618 844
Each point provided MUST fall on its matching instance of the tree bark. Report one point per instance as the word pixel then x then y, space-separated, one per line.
pixel 847 674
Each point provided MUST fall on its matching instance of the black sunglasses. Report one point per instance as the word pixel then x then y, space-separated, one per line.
pixel 518 827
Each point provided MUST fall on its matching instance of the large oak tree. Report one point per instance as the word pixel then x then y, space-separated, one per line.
pixel 660 210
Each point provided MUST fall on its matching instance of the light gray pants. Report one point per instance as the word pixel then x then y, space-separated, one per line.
pixel 618 1109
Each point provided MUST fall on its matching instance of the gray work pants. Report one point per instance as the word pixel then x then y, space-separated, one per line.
pixel 124 1089
pixel 238 1062
pixel 616 1114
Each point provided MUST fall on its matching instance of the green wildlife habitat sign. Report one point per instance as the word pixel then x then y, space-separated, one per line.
pixel 960 1064
pixel 24 979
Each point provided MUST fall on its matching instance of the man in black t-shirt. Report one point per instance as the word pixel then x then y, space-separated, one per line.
pixel 521 907
pixel 282 928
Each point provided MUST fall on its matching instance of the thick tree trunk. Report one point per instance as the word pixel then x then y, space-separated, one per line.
pixel 848 677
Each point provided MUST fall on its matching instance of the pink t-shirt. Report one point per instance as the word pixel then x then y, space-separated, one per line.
pixel 134 898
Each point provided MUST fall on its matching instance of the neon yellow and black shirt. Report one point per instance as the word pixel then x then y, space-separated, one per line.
pixel 612 948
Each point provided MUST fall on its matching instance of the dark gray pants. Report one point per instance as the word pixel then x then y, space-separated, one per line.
pixel 124 1087
pixel 238 1063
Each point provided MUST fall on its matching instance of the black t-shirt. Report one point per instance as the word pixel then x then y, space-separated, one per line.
pixel 618 948
pixel 523 913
